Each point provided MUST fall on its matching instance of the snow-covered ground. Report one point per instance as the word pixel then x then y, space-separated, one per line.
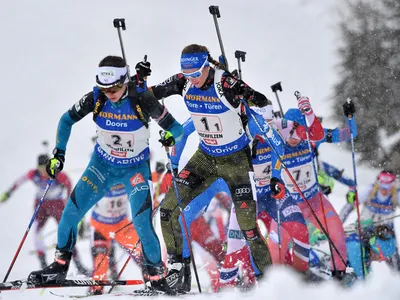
pixel 50 51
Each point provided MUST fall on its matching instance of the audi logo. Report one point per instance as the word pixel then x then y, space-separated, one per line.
pixel 241 191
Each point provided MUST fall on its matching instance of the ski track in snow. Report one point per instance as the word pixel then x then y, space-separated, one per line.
pixel 56 45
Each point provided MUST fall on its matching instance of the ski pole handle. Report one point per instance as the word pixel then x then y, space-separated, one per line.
pixel 119 23
pixel 276 87
pixel 240 56
pixel 214 10
pixel 297 95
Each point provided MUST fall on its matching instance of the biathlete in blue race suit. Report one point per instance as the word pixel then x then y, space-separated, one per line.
pixel 121 112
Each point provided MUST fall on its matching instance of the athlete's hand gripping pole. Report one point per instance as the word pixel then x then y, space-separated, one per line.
pixel 27 230
pixel 349 110
pixel 185 228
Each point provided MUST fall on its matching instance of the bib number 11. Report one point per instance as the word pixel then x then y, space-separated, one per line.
pixel 207 127
pixel 210 124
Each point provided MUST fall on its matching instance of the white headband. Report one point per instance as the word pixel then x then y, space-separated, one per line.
pixel 266 112
pixel 110 76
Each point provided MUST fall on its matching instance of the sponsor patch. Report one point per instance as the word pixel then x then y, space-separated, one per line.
pixel 136 179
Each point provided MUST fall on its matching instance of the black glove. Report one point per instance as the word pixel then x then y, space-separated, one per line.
pixel 167 139
pixel 245 90
pixel 349 109
pixel 56 164
pixel 277 188
pixel 143 69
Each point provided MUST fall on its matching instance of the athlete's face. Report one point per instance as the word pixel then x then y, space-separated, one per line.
pixel 197 81
pixel 293 142
pixel 114 93
pixel 385 192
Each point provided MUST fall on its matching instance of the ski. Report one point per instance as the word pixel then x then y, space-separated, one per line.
pixel 23 284
pixel 137 293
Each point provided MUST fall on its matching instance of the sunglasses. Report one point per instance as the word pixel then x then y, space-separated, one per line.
pixel 112 90
pixel 196 74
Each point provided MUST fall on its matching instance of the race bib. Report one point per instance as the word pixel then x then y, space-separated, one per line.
pixel 117 144
pixel 112 207
pixel 262 174
pixel 303 175
pixel 211 130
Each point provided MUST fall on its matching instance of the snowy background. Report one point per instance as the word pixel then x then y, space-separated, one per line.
pixel 50 51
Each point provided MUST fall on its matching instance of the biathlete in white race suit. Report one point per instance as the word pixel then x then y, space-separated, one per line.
pixel 51 207
pixel 213 97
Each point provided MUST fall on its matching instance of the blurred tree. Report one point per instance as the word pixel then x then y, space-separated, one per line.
pixel 369 72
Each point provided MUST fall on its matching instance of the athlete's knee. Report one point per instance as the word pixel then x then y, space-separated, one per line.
pixel 165 214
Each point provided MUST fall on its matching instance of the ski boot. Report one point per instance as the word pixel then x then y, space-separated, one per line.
pixel 96 290
pixel 346 277
pixel 156 283
pixel 175 271
pixel 56 271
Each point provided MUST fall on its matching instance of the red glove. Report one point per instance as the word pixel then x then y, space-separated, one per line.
pixel 304 105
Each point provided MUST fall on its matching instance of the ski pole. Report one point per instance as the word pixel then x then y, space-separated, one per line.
pixel 269 135
pixel 298 96
pixel 240 56
pixel 27 230
pixel 187 234
pixel 275 88
pixel 214 10
pixel 278 212
pixel 120 24
pixel 356 192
